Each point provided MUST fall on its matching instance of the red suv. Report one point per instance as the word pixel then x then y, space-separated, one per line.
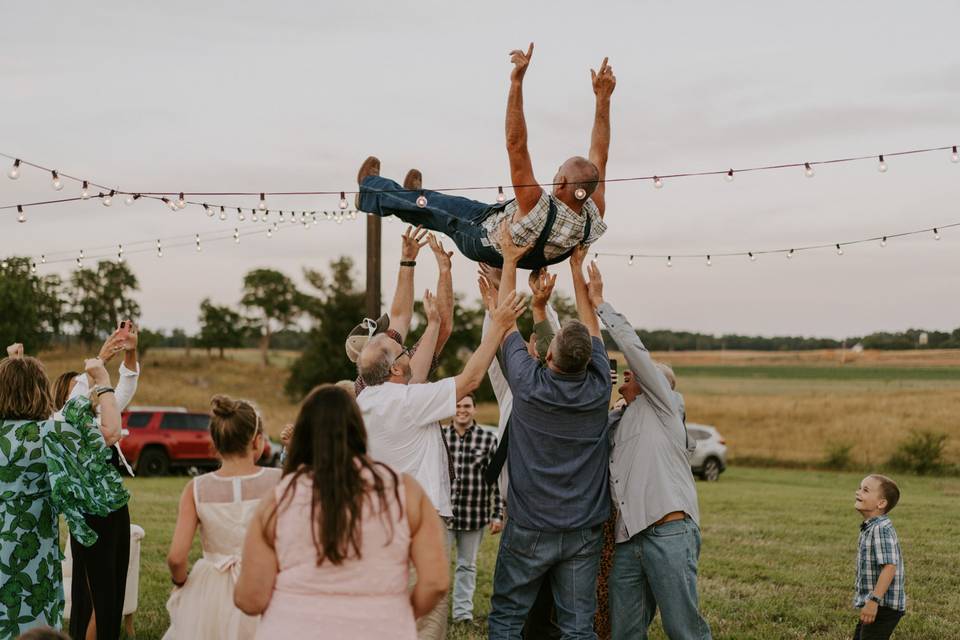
pixel 155 439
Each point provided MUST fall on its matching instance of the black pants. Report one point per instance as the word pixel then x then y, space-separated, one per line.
pixel 100 576
pixel 882 627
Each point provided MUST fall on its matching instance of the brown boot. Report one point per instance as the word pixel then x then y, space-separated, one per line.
pixel 370 167
pixel 413 181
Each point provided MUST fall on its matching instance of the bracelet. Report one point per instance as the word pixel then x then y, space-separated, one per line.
pixel 408 263
pixel 102 390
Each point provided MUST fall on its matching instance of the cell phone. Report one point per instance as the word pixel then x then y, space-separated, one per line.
pixel 613 370
pixel 124 331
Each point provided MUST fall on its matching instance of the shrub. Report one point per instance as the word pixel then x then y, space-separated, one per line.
pixel 838 455
pixel 921 452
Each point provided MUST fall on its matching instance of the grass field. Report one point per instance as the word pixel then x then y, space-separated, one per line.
pixel 777 560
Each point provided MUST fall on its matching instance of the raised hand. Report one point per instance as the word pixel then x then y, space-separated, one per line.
pixel 112 346
pixel 285 434
pixel 15 350
pixel 488 293
pixel 133 337
pixel 595 285
pixel 541 284
pixel 604 82
pixel 520 61
pixel 509 310
pixel 97 372
pixel 443 256
pixel 413 240
pixel 511 252
pixel 492 274
pixel 578 255
pixel 430 308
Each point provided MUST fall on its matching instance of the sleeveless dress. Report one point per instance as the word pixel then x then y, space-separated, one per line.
pixel 203 607
pixel 364 598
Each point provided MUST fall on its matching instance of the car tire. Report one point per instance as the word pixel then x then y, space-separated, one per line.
pixel 153 462
pixel 711 469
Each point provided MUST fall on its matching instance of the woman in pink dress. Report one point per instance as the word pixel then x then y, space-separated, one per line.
pixel 328 553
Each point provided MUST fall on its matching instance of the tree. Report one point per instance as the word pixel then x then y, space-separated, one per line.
pixel 335 311
pixel 31 306
pixel 100 298
pixel 274 295
pixel 220 327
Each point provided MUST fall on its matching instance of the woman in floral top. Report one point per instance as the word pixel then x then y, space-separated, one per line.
pixel 47 468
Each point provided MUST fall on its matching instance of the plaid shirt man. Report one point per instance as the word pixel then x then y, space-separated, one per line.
pixel 475 503
pixel 879 546
pixel 567 229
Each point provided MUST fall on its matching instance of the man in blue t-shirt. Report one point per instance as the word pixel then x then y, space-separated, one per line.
pixel 558 454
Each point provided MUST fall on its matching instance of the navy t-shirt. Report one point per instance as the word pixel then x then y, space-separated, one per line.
pixel 558 453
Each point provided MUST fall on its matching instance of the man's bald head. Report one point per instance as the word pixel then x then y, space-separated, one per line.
pixel 576 173
pixel 376 362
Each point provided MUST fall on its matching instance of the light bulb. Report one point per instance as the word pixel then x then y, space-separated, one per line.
pixel 170 203
pixel 839 250
pixel 208 210
pixel 57 184
pixel 22 217
pixel 753 258
pixel 500 196
pixel 790 254
pixel 79 263
pixel 254 216
pixel 709 261
pixel 730 175
pixel 108 199
pixel 4 264
pixel 630 262
pixel 263 202
pixel 223 213
pixel 129 200
pixel 882 167
pixel 421 201
pixel 280 213
pixel 240 214
pixel 159 249
pixel 198 243
pixel 43 259
pixel 883 241
pixel 181 203
pixel 954 156
pixel 657 182
pixel 269 232
pixel 236 235
pixel 85 192
pixel 119 258
pixel 936 234
pixel 669 261
pixel 14 172
pixel 33 267
pixel 340 217
pixel 120 250
pixel 807 170
pixel 343 200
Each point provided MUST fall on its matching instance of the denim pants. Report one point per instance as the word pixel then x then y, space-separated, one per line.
pixel 465 577
pixel 657 567
pixel 570 560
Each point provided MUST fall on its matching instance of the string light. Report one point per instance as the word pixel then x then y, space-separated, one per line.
pixel 753 258
pixel 790 254
pixel 108 199
pixel 263 202
pixel 954 156
pixel 339 218
pixel 421 201
pixel 80 258
pixel 236 235
pixel 33 267
pixel 120 253
pixel 181 202
pixel 730 175
pixel 85 191
pixel 839 250
pixel 254 216
pixel 198 243
pixel 280 213
pixel 169 203
pixel 883 241
pixel 709 261
pixel 630 262
pixel 22 217
pixel 269 232
pixel 882 167
pixel 807 170
pixel 131 198
pixel 56 183
pixel 343 200
pixel 936 234
pixel 43 259
pixel 223 213
pixel 14 172
pixel 657 182
pixel 669 261
pixel 240 214
pixel 159 249
pixel 500 196
pixel 208 210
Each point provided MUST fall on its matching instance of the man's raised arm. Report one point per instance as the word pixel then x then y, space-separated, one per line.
pixel 401 310
pixel 444 289
pixel 585 310
pixel 604 83
pixel 521 167
pixel 511 257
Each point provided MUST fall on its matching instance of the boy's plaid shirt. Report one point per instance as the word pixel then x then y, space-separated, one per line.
pixel 475 503
pixel 879 546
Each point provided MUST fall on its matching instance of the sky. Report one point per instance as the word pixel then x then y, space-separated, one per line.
pixel 284 96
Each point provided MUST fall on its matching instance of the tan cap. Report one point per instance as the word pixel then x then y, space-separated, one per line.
pixel 361 334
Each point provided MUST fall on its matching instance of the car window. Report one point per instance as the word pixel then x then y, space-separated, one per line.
pixel 138 420
pixel 198 422
pixel 185 421
pixel 699 434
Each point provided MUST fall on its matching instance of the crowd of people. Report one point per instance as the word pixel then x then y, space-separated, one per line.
pixel 596 507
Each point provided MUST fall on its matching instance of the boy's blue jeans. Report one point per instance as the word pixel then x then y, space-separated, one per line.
pixel 569 559
pixel 657 567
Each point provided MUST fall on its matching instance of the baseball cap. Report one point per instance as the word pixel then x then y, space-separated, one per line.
pixel 361 334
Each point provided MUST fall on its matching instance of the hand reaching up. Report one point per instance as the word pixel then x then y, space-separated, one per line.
pixel 15 350
pixel 443 256
pixel 595 285
pixel 489 294
pixel 511 252
pixel 507 312
pixel 604 82
pixel 430 308
pixel 413 240
pixel 520 61
pixel 541 284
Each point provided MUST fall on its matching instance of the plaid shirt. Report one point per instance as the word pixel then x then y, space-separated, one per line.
pixel 879 546
pixel 475 503
pixel 567 229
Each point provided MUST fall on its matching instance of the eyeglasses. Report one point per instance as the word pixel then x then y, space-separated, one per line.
pixel 403 352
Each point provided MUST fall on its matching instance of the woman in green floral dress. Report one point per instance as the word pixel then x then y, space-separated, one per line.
pixel 47 468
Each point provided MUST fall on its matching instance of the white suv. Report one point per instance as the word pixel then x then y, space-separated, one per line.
pixel 709 459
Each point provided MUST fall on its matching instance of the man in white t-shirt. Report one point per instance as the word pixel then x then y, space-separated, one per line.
pixel 402 419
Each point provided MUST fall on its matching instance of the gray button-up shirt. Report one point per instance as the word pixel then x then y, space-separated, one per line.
pixel 649 470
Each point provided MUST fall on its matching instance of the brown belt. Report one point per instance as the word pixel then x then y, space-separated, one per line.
pixel 670 517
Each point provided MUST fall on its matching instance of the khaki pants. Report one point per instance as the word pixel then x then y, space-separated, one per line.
pixel 433 626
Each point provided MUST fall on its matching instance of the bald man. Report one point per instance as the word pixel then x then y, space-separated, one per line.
pixel 553 223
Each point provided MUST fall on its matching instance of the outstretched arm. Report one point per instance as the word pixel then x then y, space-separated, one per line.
pixel 427 346
pixel 585 310
pixel 511 257
pixel 401 310
pixel 444 290
pixel 604 83
pixel 521 167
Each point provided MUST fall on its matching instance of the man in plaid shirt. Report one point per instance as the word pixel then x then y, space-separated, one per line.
pixel 879 590
pixel 475 503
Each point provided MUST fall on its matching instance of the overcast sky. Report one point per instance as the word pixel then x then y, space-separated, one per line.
pixel 294 95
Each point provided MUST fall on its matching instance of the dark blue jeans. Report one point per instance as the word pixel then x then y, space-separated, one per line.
pixel 457 217
pixel 527 557
pixel 657 568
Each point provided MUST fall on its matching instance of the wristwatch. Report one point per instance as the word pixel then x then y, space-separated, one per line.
pixel 873 597
pixel 408 263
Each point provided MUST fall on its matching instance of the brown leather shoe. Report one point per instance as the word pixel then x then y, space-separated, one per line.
pixel 370 167
pixel 413 181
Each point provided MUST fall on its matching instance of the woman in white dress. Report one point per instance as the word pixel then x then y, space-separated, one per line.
pixel 221 503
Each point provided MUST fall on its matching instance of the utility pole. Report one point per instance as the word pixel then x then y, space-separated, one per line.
pixel 373 266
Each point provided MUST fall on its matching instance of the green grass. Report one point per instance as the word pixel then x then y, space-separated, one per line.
pixel 777 560
pixel 812 372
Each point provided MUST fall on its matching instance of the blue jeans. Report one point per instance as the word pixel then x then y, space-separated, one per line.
pixel 465 577
pixel 457 217
pixel 657 567
pixel 527 557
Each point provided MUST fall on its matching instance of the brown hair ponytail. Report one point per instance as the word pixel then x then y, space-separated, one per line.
pixel 233 425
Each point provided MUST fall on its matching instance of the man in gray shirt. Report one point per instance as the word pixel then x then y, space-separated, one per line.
pixel 658 533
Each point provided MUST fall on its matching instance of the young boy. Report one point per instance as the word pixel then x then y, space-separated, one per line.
pixel 879 591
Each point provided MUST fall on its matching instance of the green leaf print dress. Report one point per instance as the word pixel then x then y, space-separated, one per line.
pixel 48 468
